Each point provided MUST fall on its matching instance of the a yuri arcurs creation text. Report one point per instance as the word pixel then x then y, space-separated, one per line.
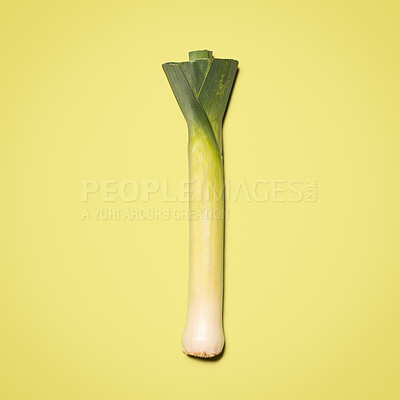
pixel 202 87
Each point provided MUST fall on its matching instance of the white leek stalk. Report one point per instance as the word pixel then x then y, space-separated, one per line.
pixel 202 87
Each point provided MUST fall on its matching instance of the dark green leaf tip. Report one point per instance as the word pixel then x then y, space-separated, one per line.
pixel 200 54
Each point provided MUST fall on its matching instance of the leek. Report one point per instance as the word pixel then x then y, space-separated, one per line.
pixel 202 87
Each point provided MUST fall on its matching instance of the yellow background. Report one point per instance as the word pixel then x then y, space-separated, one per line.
pixel 95 309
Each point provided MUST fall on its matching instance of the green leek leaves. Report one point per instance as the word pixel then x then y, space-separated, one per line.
pixel 202 87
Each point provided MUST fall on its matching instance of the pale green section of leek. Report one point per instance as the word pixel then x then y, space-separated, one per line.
pixel 206 226
pixel 202 87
